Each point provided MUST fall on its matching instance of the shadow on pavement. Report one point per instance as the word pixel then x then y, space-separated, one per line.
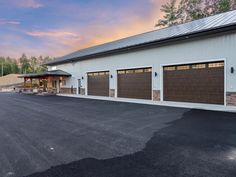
pixel 201 144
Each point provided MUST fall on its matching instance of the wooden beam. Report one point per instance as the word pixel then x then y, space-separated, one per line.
pixel 24 82
pixel 49 84
pixel 31 82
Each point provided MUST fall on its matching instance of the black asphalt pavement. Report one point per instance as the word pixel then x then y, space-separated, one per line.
pixel 68 137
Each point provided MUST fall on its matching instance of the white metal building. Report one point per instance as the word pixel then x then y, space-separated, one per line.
pixel 192 62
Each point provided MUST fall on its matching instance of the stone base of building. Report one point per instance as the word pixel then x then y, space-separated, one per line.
pixel 82 91
pixel 68 91
pixel 231 99
pixel 156 95
pixel 112 93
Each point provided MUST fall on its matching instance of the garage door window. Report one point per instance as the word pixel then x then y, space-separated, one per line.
pixel 98 74
pixel 184 67
pixel 216 65
pixel 147 70
pixel 130 71
pixel 139 71
pixel 194 66
pixel 121 72
pixel 169 68
pixel 199 66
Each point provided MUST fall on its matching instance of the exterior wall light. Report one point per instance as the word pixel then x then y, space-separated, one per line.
pixel 155 74
pixel 232 70
pixel 82 78
pixel 111 76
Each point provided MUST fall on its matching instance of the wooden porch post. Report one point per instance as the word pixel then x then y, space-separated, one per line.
pixel 25 82
pixel 49 84
pixel 31 82
pixel 39 81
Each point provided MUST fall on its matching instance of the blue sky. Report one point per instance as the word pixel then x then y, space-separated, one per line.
pixel 57 27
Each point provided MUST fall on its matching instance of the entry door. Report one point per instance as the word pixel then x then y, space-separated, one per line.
pixel 135 83
pixel 79 86
pixel 56 85
pixel 198 83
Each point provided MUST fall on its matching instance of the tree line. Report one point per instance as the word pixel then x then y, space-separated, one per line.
pixel 23 65
pixel 189 10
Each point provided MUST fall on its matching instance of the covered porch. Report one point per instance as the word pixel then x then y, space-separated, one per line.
pixel 46 82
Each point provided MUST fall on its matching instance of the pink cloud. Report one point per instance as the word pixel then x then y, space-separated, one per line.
pixel 54 34
pixel 8 22
pixel 98 33
pixel 58 42
pixel 28 3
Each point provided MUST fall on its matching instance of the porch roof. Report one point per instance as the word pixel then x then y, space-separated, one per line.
pixel 46 74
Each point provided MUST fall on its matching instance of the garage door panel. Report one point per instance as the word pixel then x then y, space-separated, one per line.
pixel 135 85
pixel 98 85
pixel 205 85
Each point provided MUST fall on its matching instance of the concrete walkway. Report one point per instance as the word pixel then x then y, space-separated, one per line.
pixel 210 107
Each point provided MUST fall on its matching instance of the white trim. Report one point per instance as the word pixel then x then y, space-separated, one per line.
pixel 134 67
pixel 98 71
pixel 192 62
pixel 152 80
pixel 116 84
pixel 225 78
pixel 195 61
pixel 161 83
pixel 86 84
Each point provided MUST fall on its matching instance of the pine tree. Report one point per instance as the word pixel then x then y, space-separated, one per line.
pixel 171 16
pixel 189 10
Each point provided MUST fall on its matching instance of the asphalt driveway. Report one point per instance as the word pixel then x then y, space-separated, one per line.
pixel 67 137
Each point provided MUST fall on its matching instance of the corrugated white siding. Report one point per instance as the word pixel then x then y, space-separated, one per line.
pixel 221 47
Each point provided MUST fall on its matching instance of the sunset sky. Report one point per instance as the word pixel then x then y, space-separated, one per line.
pixel 57 27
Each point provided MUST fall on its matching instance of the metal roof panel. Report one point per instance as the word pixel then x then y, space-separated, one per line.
pixel 205 24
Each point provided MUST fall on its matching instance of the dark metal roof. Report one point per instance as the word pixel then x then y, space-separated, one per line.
pixel 220 21
pixel 47 73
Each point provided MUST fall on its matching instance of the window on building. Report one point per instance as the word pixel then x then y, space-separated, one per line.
pixel 184 67
pixel 129 71
pixel 54 68
pixel 139 71
pixel 147 70
pixel 199 66
pixel 216 65
pixel 54 84
pixel 121 72
pixel 170 68
pixel 101 73
pixel 63 82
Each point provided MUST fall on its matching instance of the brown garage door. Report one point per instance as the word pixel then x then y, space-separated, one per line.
pixel 98 83
pixel 135 83
pixel 199 83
